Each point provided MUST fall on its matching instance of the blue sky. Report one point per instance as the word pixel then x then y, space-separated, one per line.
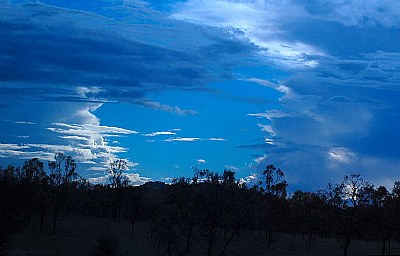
pixel 310 86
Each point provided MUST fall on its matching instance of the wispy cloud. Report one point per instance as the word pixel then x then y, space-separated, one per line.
pixel 270 114
pixel 153 134
pixel 260 159
pixel 279 87
pixel 166 108
pixel 12 146
pixel 341 155
pixel 89 129
pixel 267 128
pixel 24 122
pixel 184 139
pixel 216 139
pixel 193 139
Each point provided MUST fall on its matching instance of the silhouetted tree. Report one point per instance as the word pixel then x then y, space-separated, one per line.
pixel 135 202
pixel 62 174
pixel 15 202
pixel 383 214
pixel 274 181
pixel 308 215
pixel 345 200
pixel 275 191
pixel 34 171
pixel 35 180
pixel 118 181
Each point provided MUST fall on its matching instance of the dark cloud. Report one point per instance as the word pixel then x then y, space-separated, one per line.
pixel 59 49
pixel 340 40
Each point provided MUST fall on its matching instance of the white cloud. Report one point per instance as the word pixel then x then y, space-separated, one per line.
pixel 269 141
pixel 192 139
pixel 260 159
pixel 97 168
pixel 188 139
pixel 90 130
pixel 23 152
pixel 74 138
pixel 24 122
pixel 271 114
pixel 249 179
pixel 134 179
pixel 279 87
pixel 87 140
pixel 216 139
pixel 341 155
pixel 83 140
pixel 6 146
pixel 267 128
pixel 88 91
pixel 201 161
pixel 153 134
pixel 258 22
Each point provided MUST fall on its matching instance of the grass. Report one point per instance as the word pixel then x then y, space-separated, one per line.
pixel 79 235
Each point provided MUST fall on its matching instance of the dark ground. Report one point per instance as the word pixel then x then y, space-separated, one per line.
pixel 78 236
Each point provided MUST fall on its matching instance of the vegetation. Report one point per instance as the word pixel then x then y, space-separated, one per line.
pixel 206 214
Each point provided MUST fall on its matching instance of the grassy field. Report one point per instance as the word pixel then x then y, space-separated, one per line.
pixel 78 236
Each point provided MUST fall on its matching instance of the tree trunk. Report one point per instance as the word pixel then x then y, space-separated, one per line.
pixel 383 246
pixel 133 219
pixel 227 243
pixel 189 240
pixel 210 243
pixel 55 217
pixel 42 215
pixel 346 246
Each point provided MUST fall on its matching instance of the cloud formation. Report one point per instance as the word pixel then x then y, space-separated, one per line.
pixel 59 64
pixel 338 102
pixel 336 106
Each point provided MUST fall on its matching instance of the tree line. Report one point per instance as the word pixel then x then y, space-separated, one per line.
pixel 208 210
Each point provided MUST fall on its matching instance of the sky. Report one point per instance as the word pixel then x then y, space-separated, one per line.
pixel 312 87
